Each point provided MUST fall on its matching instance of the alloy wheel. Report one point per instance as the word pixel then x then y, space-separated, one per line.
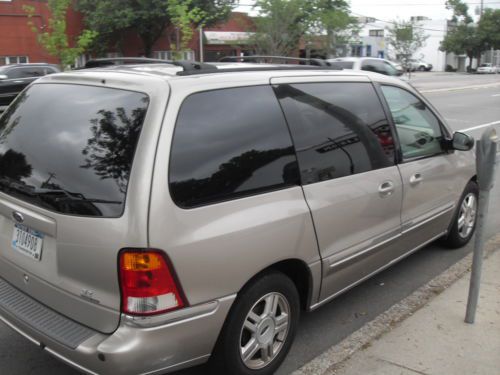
pixel 467 215
pixel 264 331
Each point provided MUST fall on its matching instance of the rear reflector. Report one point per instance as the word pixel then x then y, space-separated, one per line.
pixel 147 284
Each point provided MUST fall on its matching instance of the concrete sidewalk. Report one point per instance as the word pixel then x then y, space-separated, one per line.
pixel 433 340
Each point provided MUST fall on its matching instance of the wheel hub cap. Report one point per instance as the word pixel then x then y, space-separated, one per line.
pixel 467 215
pixel 264 331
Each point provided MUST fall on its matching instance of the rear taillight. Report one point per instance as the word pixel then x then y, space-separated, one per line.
pixel 147 283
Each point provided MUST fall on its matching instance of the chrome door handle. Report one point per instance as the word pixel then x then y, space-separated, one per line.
pixel 386 188
pixel 416 179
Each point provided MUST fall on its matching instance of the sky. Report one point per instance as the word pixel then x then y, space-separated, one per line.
pixel 398 9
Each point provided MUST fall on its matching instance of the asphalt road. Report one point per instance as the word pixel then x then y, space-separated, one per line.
pixel 464 108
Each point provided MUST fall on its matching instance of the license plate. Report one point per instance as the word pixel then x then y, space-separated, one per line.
pixel 27 241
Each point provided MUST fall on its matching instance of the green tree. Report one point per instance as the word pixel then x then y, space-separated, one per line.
pixel 460 11
pixel 406 38
pixel 149 18
pixel 489 28
pixel 463 38
pixel 55 39
pixel 333 18
pixel 186 16
pixel 280 26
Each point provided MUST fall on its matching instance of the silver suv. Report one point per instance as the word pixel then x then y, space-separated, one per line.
pixel 161 216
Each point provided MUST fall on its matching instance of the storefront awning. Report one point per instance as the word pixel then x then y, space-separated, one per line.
pixel 227 37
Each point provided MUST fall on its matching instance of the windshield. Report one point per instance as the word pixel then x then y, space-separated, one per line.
pixel 69 148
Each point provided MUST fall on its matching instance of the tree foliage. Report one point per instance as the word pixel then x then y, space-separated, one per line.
pixel 406 37
pixel 54 38
pixel 460 11
pixel 282 23
pixel 149 18
pixel 185 16
pixel 489 28
pixel 463 38
pixel 466 37
pixel 333 18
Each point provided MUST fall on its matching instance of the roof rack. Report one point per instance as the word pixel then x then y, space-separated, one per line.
pixel 193 67
pixel 186 65
pixel 285 59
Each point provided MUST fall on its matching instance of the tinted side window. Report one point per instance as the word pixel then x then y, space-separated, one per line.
pixel 373 66
pixel 342 64
pixel 15 73
pixel 230 143
pixel 339 129
pixel 418 129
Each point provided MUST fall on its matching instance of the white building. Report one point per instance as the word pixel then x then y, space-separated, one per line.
pixel 436 31
pixel 372 41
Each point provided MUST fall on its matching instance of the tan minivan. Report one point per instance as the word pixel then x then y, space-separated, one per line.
pixel 155 217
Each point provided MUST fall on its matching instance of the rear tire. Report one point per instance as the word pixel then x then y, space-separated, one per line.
pixel 260 328
pixel 465 218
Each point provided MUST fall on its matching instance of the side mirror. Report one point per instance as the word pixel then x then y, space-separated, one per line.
pixel 3 76
pixel 462 142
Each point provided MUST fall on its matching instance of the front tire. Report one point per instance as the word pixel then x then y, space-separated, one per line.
pixel 464 220
pixel 260 328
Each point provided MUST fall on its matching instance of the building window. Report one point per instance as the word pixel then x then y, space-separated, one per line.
pixel 356 50
pixel 376 32
pixel 8 60
pixel 368 50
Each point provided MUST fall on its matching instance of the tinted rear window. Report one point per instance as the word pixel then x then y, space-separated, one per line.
pixel 70 148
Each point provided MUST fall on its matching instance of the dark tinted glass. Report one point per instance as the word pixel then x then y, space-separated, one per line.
pixel 342 64
pixel 379 66
pixel 230 143
pixel 15 73
pixel 339 129
pixel 70 148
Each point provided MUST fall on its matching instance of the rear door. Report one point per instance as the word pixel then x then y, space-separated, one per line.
pixel 64 175
pixel 346 158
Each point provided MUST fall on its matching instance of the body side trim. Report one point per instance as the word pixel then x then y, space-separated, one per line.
pixel 328 299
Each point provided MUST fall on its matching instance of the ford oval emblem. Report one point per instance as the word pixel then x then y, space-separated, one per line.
pixel 18 216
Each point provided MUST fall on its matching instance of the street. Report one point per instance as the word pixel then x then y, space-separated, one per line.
pixel 467 102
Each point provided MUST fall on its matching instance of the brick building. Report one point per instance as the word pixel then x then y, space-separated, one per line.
pixel 18 42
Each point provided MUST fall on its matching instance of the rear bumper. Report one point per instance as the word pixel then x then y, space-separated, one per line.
pixel 139 346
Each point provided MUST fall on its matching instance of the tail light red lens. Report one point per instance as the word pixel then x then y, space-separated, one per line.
pixel 147 283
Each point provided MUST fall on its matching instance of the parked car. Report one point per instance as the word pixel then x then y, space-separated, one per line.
pixel 487 68
pixel 370 64
pixel 420 65
pixel 14 78
pixel 162 216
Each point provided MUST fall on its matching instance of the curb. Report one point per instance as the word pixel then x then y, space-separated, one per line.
pixel 328 362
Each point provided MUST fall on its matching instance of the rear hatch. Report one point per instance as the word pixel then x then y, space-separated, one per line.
pixel 66 154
